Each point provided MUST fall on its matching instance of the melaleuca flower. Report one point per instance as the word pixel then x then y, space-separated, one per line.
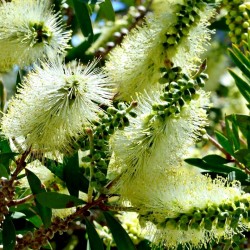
pixel 155 140
pixel 54 104
pixel 29 30
pixel 186 208
pixel 176 36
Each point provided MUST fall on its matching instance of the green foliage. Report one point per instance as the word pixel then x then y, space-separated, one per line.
pixel 36 188
pixel 83 18
pixel 243 62
pixel 57 200
pixel 121 237
pixel 94 238
pixel 9 234
pixel 80 178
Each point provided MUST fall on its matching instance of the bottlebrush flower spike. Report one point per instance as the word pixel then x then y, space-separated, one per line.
pixel 186 208
pixel 155 139
pixel 177 35
pixel 54 104
pixel 29 30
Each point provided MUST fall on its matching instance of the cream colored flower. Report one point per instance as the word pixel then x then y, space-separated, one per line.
pixel 54 104
pixel 184 207
pixel 152 144
pixel 167 37
pixel 29 30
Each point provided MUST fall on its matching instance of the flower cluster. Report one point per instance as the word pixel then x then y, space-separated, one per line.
pixel 178 35
pixel 29 30
pixel 54 105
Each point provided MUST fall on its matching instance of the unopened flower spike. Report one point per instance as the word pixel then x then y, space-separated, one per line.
pixel 177 34
pixel 30 30
pixel 187 208
pixel 237 19
pixel 54 104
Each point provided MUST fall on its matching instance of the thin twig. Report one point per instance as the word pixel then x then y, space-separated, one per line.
pixel 217 145
pixel 21 201
pixel 21 164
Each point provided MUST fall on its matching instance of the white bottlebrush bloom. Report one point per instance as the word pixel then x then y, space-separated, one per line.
pixel 29 30
pixel 134 66
pixel 54 104
pixel 184 207
pixel 151 141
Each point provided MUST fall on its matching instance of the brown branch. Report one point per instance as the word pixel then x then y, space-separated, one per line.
pixel 21 164
pixel 103 52
pixel 21 201
pixel 217 145
pixel 42 235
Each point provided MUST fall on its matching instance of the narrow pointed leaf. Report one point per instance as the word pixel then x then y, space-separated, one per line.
pixel 57 200
pixel 71 174
pixel 107 11
pixel 215 159
pixel 6 153
pixel 232 132
pixel 3 171
pixel 244 126
pixel 243 156
pixel 94 239
pixel 83 18
pixel 241 56
pixel 36 188
pixel 217 168
pixel 121 238
pixel 9 234
pixel 239 63
pixel 242 85
pixel 224 142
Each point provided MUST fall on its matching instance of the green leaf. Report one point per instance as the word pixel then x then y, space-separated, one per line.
pixel 129 2
pixel 73 177
pixel 242 85
pixel 121 238
pixel 34 182
pixel 233 132
pixel 4 145
pixel 9 234
pixel 6 157
pixel 106 10
pixel 94 239
pixel 241 56
pixel 83 18
pixel 36 221
pixel 243 156
pixel 5 153
pixel 57 200
pixel 217 168
pixel 243 122
pixel 240 60
pixel 4 171
pixel 215 159
pixel 224 142
pixel 36 188
pixel 71 174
